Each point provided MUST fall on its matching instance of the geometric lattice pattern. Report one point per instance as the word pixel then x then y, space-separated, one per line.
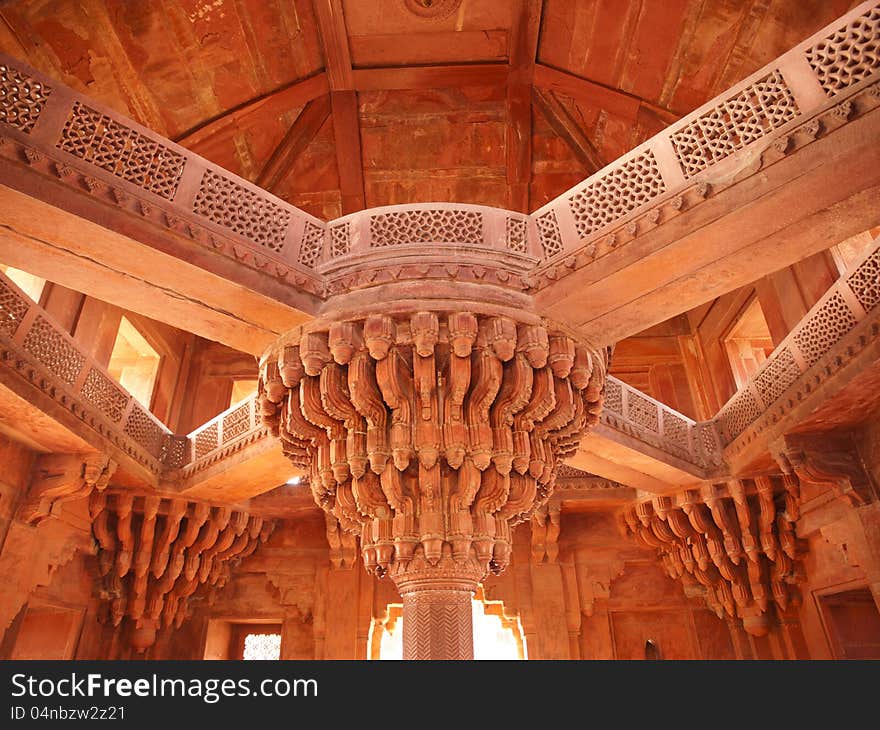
pixel 734 123
pixel 548 232
pixel 12 309
pixel 103 393
pixel 613 397
pixel 849 55
pixel 206 440
pixel 312 245
pixel 145 431
pixel 176 451
pixel 516 235
pixel 865 281
pixel 824 328
pixel 642 412
pixel 122 151
pixel 21 98
pixel 617 193
pixel 675 431
pixel 237 422
pixel 426 226
pixel 50 348
pixel 738 414
pixel 707 439
pixel 262 646
pixel 243 211
pixel 777 376
pixel 340 240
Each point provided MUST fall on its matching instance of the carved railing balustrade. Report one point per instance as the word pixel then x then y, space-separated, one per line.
pixel 821 83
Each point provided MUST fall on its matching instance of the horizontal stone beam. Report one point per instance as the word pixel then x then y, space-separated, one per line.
pixel 94 201
pixel 810 191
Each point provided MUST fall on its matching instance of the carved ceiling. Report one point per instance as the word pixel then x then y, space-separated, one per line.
pixel 335 105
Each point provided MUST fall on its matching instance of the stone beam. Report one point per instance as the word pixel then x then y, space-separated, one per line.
pixel 775 216
pixel 67 249
pixel 295 141
pixel 591 94
pixel 562 122
pixel 42 369
pixel 96 202
pixel 780 166
pixel 825 371
pixel 344 103
pixel 523 50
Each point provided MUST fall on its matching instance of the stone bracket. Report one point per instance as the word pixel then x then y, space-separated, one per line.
pixel 59 478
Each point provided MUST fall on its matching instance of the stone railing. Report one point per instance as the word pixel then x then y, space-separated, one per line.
pixel 440 241
pixel 639 416
pixel 795 368
pixel 477 226
pixel 612 206
pixel 851 301
pixel 97 152
pixel 227 433
pixel 38 350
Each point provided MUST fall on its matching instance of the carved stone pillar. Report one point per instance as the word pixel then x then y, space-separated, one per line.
pixel 437 620
pixel 429 430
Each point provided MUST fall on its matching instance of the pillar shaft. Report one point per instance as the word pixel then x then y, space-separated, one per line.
pixel 437 624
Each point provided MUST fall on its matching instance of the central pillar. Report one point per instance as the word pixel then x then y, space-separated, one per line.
pixel 431 417
pixel 437 616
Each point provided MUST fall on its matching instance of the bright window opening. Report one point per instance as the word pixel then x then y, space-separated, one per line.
pixel 495 635
pixel 134 363
pixel 28 283
pixel 748 344
pixel 242 389
pixel 262 646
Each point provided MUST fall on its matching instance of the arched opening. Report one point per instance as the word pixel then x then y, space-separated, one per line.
pixel 496 635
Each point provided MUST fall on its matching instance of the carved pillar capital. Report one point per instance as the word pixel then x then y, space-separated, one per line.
pixel 59 478
pixel 154 553
pixel 828 461
pixel 343 544
pixel 733 544
pixel 431 426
